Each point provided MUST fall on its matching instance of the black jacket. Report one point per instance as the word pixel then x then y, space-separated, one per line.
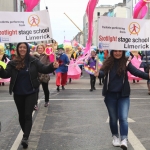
pixel 35 66
pixel 126 87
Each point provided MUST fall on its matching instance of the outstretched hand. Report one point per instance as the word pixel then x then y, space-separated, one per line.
pixel 55 64
pixel 96 74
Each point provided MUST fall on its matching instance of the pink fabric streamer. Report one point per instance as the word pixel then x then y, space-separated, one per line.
pixel 89 11
pixel 30 4
pixel 140 10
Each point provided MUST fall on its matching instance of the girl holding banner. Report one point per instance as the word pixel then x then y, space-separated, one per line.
pixel 24 83
pixel 116 91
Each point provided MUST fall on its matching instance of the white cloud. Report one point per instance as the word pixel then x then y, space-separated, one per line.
pixel 75 9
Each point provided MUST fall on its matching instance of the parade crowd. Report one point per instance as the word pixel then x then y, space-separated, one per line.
pixel 27 67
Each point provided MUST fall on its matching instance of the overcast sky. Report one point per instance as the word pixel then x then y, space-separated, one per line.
pixel 75 9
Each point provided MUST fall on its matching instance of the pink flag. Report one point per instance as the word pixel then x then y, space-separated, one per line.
pixel 30 4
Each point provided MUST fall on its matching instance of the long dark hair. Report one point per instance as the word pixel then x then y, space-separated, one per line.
pixel 109 63
pixel 21 62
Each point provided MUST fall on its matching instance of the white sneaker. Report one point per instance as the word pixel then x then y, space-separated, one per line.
pixel 124 144
pixel 116 141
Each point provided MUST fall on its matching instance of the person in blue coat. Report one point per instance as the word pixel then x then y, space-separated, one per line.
pixel 61 71
pixel 116 91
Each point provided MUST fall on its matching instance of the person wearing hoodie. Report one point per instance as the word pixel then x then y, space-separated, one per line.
pixel 24 84
pixel 116 90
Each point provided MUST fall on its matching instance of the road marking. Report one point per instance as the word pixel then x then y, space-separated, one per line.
pixel 87 88
pixel 6 101
pixel 134 141
pixel 19 137
pixel 129 120
pixel 77 99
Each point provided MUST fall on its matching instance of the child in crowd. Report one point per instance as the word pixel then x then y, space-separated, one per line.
pixel 91 65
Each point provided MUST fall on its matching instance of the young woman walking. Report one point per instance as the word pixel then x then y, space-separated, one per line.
pixel 24 84
pixel 116 91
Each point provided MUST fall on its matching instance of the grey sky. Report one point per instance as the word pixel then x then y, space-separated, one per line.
pixel 75 9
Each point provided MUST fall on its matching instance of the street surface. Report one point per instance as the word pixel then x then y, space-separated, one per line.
pixel 76 119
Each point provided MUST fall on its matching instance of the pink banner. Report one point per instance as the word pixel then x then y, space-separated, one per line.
pixel 30 4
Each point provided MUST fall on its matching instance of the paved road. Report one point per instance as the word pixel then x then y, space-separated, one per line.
pixel 75 120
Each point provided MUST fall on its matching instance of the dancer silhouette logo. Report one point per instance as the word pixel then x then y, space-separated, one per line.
pixel 134 28
pixel 34 20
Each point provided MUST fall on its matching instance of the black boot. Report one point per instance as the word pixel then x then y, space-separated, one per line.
pixel 94 81
pixel 69 80
pixel 100 83
pixel 58 88
pixel 63 88
pixel 91 82
pixel 24 143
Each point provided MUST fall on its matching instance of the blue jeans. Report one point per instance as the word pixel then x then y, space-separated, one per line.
pixel 118 108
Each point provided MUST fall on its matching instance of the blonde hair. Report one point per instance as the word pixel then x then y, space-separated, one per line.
pixel 41 44
pixel 2 49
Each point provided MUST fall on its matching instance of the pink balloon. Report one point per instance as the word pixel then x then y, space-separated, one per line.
pixel 135 62
pixel 140 10
pixel 30 4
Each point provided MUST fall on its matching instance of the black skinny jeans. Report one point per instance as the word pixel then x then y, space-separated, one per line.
pixel 25 105
pixel 46 92
pixel 92 81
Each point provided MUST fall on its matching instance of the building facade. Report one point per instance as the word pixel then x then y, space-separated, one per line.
pixel 8 5
pixel 130 4
pixel 120 11
pixel 79 38
pixel 100 10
